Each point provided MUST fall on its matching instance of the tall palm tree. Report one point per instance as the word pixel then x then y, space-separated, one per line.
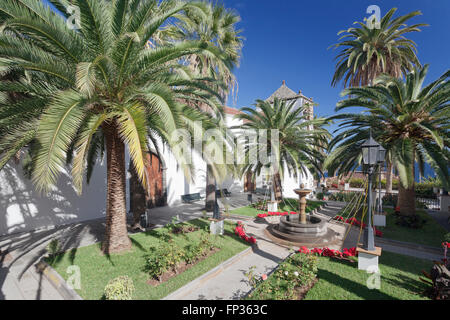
pixel 221 31
pixel 300 140
pixel 99 87
pixel 411 121
pixel 367 53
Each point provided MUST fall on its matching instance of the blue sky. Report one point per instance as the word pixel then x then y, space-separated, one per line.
pixel 288 40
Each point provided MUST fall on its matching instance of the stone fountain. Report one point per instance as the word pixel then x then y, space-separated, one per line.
pixel 302 229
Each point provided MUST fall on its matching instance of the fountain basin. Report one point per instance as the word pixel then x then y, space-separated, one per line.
pixel 314 226
pixel 315 233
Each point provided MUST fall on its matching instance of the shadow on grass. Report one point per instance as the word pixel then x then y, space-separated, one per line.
pixel 137 244
pixel 351 286
pixel 415 286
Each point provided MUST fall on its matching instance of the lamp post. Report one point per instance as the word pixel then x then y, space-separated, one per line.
pixel 216 211
pixel 381 156
pixel 370 151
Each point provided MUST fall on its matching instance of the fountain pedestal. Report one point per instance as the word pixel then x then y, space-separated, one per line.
pixel 302 193
pixel 302 230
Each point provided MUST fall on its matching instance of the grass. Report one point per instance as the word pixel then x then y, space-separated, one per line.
pixel 341 280
pixel 97 269
pixel 431 234
pixel 289 204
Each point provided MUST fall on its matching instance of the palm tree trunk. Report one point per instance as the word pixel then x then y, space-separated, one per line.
pixel 277 186
pixel 116 236
pixel 406 200
pixel 407 196
pixel 210 190
pixel 389 177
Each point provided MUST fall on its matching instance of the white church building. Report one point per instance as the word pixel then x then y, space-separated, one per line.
pixel 22 208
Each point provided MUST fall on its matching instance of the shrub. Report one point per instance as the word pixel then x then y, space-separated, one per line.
pixel 192 253
pixel 412 221
pixel 206 242
pixel 424 190
pixel 447 237
pixel 53 249
pixel 162 258
pixel 390 200
pixel 356 183
pixel 120 288
pixel 296 272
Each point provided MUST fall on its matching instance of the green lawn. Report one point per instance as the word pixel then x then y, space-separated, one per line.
pixel 288 204
pixel 341 280
pixel 432 233
pixel 97 269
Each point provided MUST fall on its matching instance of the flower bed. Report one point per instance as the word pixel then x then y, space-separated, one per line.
pixel 327 252
pixel 354 221
pixel 290 281
pixel 240 231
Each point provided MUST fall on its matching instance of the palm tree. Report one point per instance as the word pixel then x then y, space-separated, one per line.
pixel 101 87
pixel 368 53
pixel 219 30
pixel 300 140
pixel 409 120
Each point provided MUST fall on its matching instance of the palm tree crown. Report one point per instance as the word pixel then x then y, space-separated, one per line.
pixel 368 52
pixel 409 120
pixel 300 140
pixel 100 87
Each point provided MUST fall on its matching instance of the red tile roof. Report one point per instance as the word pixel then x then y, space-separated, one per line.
pixel 233 111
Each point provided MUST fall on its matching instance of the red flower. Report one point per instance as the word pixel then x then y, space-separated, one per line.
pixel 316 251
pixel 303 250
pixel 446 244
pixel 239 230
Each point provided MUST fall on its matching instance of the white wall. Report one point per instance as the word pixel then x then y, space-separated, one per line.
pixel 22 208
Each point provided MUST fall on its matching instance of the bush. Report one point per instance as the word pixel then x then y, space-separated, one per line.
pixel 120 288
pixel 424 190
pixel 296 272
pixel 162 258
pixel 390 200
pixel 412 221
pixel 356 183
pixel 447 237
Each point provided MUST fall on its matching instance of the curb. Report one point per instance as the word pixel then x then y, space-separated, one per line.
pixel 194 284
pixel 56 280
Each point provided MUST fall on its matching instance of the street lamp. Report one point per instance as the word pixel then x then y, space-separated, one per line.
pixel 381 156
pixel 370 151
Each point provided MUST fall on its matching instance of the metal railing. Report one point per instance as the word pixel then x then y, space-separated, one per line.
pixel 430 203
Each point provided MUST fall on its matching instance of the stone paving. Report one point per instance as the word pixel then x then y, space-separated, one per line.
pixel 20 252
